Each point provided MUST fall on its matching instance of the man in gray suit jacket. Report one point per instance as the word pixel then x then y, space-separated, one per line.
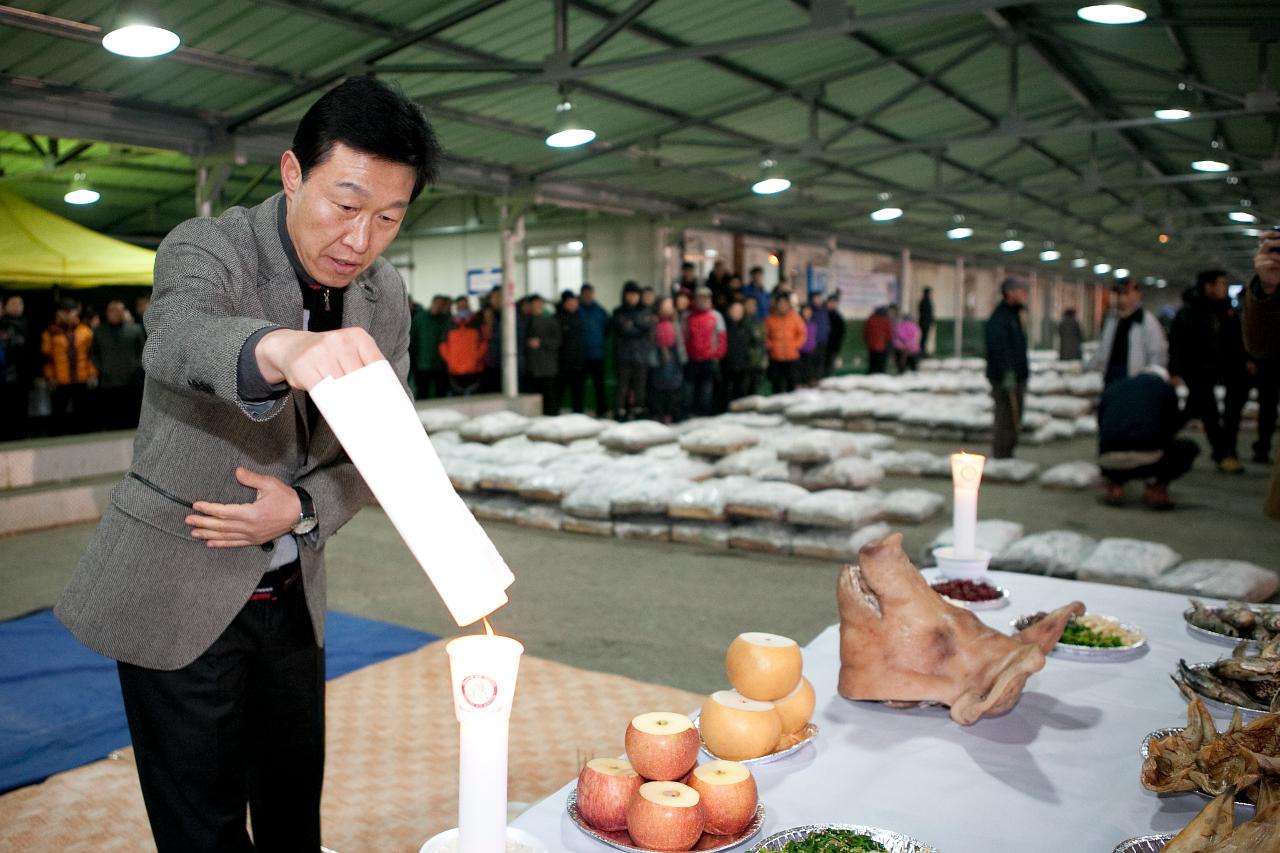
pixel 205 579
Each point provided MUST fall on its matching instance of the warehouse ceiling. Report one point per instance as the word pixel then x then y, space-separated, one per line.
pixel 1015 116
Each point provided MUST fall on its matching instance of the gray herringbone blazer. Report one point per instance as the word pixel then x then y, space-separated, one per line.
pixel 146 592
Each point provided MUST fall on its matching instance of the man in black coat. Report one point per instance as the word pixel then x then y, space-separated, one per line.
pixel 15 368
pixel 1007 366
pixel 924 313
pixel 1138 421
pixel 835 341
pixel 633 329
pixel 573 349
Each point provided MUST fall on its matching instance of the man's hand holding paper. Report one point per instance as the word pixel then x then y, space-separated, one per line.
pixel 303 359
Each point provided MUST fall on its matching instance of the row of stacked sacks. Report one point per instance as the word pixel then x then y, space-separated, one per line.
pixel 741 481
pixel 1127 562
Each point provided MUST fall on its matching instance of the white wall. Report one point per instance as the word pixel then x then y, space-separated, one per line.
pixel 440 264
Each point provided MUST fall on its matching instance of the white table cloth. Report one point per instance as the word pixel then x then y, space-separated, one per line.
pixel 1059 773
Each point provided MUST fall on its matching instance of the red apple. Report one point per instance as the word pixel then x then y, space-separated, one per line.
pixel 665 816
pixel 605 787
pixel 663 746
pixel 728 795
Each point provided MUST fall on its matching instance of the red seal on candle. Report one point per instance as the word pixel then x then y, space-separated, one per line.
pixel 479 691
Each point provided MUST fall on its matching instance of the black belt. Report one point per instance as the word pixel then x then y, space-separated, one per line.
pixel 277 582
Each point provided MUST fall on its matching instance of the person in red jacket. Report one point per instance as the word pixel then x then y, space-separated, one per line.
pixel 877 334
pixel 463 352
pixel 705 342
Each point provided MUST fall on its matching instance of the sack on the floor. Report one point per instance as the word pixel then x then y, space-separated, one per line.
pixel 565 429
pixel 827 544
pixel 769 500
pixel 817 446
pixel 911 506
pixel 1053 552
pixel 541 516
pixel 463 474
pixel 1009 470
pixel 991 534
pixel 746 463
pixel 441 420
pixel 592 499
pixel 645 496
pixel 1234 580
pixel 869 442
pixel 705 501
pixel 646 530
pixel 747 404
pixel 588 526
pixel 838 508
pixel 494 426
pixel 553 484
pixel 719 440
pixel 1128 561
pixel 706 534
pixel 768 537
pixel 752 420
pixel 912 463
pixel 851 472
pixel 636 436
pixel 507 478
pixel 1072 475
pixel 498 508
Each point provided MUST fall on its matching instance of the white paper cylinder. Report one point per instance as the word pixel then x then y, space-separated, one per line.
pixel 374 419
pixel 966 477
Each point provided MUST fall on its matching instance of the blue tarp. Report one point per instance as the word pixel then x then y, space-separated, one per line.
pixel 60 703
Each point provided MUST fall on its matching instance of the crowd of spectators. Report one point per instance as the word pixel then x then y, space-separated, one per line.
pixel 81 373
pixel 686 352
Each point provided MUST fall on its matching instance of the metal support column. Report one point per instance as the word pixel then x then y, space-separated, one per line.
pixel 904 288
pixel 512 237
pixel 958 333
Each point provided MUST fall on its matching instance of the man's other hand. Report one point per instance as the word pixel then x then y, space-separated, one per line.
pixel 303 359
pixel 273 514
pixel 1266 263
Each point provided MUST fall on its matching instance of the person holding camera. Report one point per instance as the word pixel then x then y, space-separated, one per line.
pixel 1261 326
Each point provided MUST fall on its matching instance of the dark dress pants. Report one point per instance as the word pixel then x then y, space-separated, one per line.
pixel 782 376
pixel 877 361
pixel 1268 384
pixel 241 725
pixel 595 372
pixel 700 379
pixel 633 382
pixel 1008 420
pixel 1221 426
pixel 574 381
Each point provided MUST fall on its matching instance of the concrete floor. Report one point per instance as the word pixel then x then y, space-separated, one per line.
pixel 664 612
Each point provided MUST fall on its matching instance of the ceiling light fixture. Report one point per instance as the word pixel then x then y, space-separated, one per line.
pixel 1011 242
pixel 567 130
pixel 80 192
pixel 137 32
pixel 1214 161
pixel 1079 262
pixel 1102 268
pixel 1112 13
pixel 1049 253
pixel 959 231
pixel 1121 272
pixel 1179 107
pixel 886 213
pixel 771 180
pixel 1241 216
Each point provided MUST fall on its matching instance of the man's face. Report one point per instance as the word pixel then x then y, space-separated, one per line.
pixel 346 212
pixel 1016 296
pixel 702 302
pixel 140 305
pixel 462 305
pixel 719 267
pixel 1216 289
pixel 686 274
pixel 70 318
pixel 735 311
pixel 631 297
pixel 757 278
pixel 648 297
pixel 14 306
pixel 588 296
pixel 115 313
pixel 570 305
pixel 1129 297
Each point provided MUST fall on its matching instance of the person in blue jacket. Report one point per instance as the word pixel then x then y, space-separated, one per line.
pixel 595 325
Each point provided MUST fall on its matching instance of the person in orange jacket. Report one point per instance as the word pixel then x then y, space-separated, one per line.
pixel 784 334
pixel 463 352
pixel 68 368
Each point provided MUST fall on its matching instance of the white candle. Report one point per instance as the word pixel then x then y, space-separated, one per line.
pixel 966 476
pixel 484 669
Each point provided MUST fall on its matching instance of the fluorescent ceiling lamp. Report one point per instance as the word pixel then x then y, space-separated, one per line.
pixel 574 245
pixel 568 132
pixel 1121 272
pixel 1161 283
pixel 1080 263
pixel 141 41
pixel 1050 255
pixel 1210 166
pixel 80 192
pixel 1179 107
pixel 1112 13
pixel 770 186
pixel 1013 244
pixel 1241 216
pixel 1102 269
pixel 1172 114
pixel 886 214
pixel 960 232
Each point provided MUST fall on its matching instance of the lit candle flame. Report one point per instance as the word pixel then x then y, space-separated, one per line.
pixel 488 629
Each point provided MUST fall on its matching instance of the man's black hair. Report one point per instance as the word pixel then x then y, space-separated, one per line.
pixel 1208 277
pixel 66 303
pixel 688 265
pixel 586 285
pixel 755 270
pixel 367 115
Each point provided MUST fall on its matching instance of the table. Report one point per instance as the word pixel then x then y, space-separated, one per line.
pixel 1058 773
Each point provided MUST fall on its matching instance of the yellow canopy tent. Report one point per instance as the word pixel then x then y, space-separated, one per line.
pixel 39 248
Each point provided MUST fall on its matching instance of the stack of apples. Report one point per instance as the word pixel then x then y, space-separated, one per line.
pixel 770 704
pixel 659 797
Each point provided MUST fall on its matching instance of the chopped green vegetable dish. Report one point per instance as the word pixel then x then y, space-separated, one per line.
pixel 833 841
pixel 1076 634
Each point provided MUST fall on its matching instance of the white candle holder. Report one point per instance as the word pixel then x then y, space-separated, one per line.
pixel 956 566
pixel 483 669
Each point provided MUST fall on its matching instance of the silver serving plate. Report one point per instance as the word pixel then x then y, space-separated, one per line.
pixel 810 732
pixel 993 604
pixel 1144 844
pixel 894 842
pixel 1161 734
pixel 622 841
pixel 1222 709
pixel 1214 636
pixel 1094 653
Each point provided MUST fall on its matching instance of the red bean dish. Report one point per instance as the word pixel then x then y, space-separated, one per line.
pixel 966 590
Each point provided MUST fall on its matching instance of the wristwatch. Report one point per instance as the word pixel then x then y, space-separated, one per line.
pixel 307 520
